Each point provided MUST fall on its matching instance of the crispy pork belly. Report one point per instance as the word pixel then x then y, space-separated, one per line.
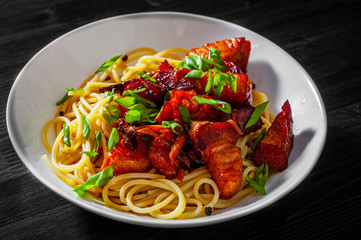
pixel 215 143
pixel 241 117
pixel 197 111
pixel 158 152
pixel 276 145
pixel 128 161
pixel 236 50
pixel 153 91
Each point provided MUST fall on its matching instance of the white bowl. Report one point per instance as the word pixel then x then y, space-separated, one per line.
pixel 70 59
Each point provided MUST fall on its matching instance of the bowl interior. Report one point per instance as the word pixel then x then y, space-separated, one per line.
pixel 70 59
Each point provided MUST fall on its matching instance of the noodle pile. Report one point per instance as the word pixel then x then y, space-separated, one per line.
pixel 141 193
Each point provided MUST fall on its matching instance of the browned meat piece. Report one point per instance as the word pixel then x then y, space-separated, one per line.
pixel 153 91
pixel 276 145
pixel 179 97
pixel 170 79
pixel 241 117
pixel 158 152
pixel 235 50
pixel 215 142
pixel 126 160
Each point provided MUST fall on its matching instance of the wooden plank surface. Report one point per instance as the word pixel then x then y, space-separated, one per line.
pixel 323 36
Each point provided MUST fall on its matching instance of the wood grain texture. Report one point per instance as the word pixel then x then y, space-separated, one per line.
pixel 323 36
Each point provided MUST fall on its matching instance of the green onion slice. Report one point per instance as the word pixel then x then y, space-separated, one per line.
pixel 114 111
pixel 110 95
pixel 146 102
pixel 258 139
pixel 109 119
pixel 66 96
pixel 108 63
pixel 174 125
pixel 113 139
pixel 184 114
pixel 86 126
pixel 256 114
pixel 97 180
pixel 146 76
pixel 225 107
pixel 195 74
pixel 259 183
pixel 91 154
pixel 66 137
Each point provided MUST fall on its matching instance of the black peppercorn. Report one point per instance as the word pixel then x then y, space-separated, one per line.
pixel 125 58
pixel 208 211
pixel 61 113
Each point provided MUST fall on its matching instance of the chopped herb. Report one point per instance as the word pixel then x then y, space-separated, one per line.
pixel 86 126
pixel 146 76
pixel 113 139
pixel 108 63
pixel 97 140
pixel 166 96
pixel 126 101
pixel 258 139
pixel 174 125
pixel 133 116
pixel 66 137
pixel 225 107
pixel 184 114
pixel 259 183
pixel 214 54
pixel 134 94
pixel 97 180
pixel 151 117
pixel 110 95
pixel 256 114
pixel 195 74
pixel 66 96
pixel 114 111
pixel 91 154
pixel 109 119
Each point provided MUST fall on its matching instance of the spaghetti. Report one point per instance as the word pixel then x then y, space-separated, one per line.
pixel 147 193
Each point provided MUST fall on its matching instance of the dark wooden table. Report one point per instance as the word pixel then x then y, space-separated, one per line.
pixel 323 36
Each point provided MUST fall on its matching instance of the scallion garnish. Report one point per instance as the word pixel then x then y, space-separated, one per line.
pixel 94 153
pixel 86 126
pixel 146 102
pixel 110 95
pixel 258 139
pixel 133 116
pixel 66 137
pixel 113 139
pixel 174 125
pixel 184 114
pixel 66 96
pixel 225 107
pixel 97 140
pixel 109 119
pixel 114 111
pixel 256 114
pixel 146 76
pixel 97 180
pixel 195 74
pixel 108 63
pixel 90 154
pixel 259 183
pixel 215 55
